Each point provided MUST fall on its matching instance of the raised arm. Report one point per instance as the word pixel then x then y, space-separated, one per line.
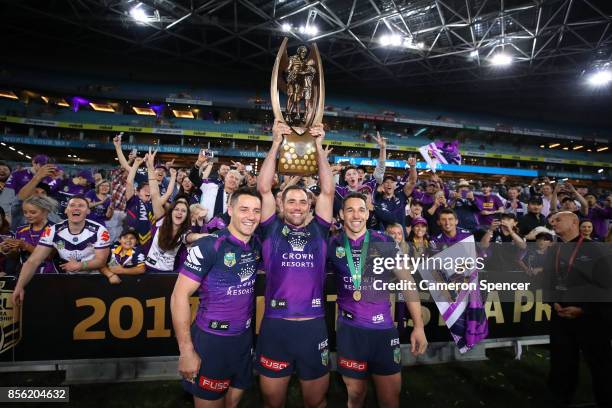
pixel 379 171
pixel 122 160
pixel 412 177
pixel 170 189
pixel 324 207
pixel 584 206
pixel 268 169
pixel 48 170
pixel 156 199
pixel 129 186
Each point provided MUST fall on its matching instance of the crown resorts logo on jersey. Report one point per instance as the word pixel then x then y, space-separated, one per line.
pixel 246 272
pixel 298 243
pixel 340 252
pixel 229 259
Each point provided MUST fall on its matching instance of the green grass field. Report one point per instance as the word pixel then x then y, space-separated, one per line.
pixel 499 381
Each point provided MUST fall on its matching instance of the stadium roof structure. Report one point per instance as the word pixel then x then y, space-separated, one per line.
pixel 418 45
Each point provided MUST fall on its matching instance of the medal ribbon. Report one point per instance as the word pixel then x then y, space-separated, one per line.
pixel 572 258
pixel 356 274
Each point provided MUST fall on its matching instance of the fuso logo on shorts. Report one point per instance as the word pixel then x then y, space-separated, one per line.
pixel 213 385
pixel 353 364
pixel 273 364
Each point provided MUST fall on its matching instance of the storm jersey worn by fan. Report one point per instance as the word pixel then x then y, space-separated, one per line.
pixel 81 246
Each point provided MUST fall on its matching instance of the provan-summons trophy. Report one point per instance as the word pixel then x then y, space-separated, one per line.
pixel 300 77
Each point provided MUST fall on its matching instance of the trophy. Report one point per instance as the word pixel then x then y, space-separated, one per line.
pixel 300 77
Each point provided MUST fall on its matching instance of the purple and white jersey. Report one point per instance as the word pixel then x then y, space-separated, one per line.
pixel 31 236
pixel 98 213
pixel 131 257
pixel 226 269
pixel 158 260
pixel 373 311
pixel 64 191
pixel 294 263
pixel 81 246
pixel 442 241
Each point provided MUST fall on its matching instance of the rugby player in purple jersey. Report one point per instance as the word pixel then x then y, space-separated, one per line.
pixel 293 334
pixel 367 339
pixel 216 360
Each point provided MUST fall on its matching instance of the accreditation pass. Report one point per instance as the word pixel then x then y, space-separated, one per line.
pixel 34 394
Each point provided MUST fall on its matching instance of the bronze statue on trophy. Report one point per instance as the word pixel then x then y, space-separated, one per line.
pixel 301 78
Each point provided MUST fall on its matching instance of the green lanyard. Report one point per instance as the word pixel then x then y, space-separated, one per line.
pixel 356 274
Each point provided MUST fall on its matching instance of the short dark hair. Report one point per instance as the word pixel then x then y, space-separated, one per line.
pixel 141 185
pixel 544 235
pixel 567 199
pixel 416 202
pixel 78 197
pixel 294 187
pixel 5 164
pixel 248 191
pixel 447 211
pixel 354 194
pixel 129 231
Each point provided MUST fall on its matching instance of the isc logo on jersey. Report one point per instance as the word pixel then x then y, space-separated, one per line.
pixel 194 258
pixel 316 302
pixel 379 318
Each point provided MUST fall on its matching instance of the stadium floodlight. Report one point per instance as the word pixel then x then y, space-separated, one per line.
pixel 600 78
pixel 286 27
pixel 474 54
pixel 12 148
pixel 602 149
pixel 138 14
pixel 20 152
pixel 392 40
pixel 552 146
pixel 501 59
pixel 30 157
pixel 578 147
pixel 310 30
pixel 600 171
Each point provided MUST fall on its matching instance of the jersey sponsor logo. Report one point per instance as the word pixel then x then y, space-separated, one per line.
pixel 194 258
pixel 285 230
pixel 324 344
pixel 213 385
pixel 353 365
pixel 218 325
pixel 246 272
pixel 395 342
pixel 316 302
pixel 347 315
pixel 60 245
pixel 397 355
pixel 298 243
pixel 273 364
pixel 105 236
pixel 278 303
pixel 340 252
pixel 46 232
pixel 229 259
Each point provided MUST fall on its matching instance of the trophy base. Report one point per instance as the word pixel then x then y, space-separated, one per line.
pixel 298 155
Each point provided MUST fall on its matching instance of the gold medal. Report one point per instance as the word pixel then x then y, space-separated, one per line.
pixel 357 295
